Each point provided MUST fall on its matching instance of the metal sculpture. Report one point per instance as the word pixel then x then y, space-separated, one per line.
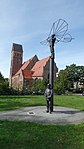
pixel 57 33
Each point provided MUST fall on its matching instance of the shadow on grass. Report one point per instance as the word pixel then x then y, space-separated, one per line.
pixel 11 105
pixel 68 112
pixel 21 97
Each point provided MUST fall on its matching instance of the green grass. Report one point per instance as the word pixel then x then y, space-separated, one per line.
pixel 25 135
pixel 76 102
pixel 15 102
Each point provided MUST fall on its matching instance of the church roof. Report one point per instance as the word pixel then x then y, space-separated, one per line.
pixel 27 74
pixel 25 65
pixel 36 71
pixel 38 67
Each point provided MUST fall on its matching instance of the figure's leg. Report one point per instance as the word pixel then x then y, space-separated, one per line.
pixel 47 105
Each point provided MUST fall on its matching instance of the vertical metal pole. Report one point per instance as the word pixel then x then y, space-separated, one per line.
pixel 52 78
pixel 52 41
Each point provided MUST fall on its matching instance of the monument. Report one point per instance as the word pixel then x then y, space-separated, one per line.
pixel 57 33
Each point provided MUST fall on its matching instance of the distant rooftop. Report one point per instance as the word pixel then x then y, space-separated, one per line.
pixel 17 47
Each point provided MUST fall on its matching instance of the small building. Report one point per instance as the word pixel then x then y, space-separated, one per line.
pixel 79 85
pixel 22 75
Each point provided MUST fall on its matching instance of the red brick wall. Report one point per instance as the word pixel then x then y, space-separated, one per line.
pixel 16 61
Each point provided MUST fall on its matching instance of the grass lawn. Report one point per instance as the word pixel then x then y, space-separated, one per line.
pixel 25 135
pixel 15 102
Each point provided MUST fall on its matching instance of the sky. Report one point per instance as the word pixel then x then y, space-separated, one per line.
pixel 28 22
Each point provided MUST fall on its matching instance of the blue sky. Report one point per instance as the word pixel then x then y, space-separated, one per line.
pixel 28 22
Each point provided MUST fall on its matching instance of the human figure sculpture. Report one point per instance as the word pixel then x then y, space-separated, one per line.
pixel 48 95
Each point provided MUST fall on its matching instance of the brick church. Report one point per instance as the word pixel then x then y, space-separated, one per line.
pixel 22 75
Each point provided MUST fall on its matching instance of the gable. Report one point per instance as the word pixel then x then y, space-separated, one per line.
pixel 38 67
pixel 28 64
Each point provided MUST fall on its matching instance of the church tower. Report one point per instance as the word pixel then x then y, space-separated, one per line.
pixel 16 60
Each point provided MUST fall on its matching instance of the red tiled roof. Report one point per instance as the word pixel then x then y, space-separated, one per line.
pixel 24 65
pixel 27 74
pixel 36 71
pixel 38 67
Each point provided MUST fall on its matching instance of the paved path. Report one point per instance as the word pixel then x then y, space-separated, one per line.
pixel 37 114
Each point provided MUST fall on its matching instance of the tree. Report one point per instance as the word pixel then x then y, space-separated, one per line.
pixel 39 84
pixel 1 78
pixel 75 73
pixel 61 83
pixel 4 87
